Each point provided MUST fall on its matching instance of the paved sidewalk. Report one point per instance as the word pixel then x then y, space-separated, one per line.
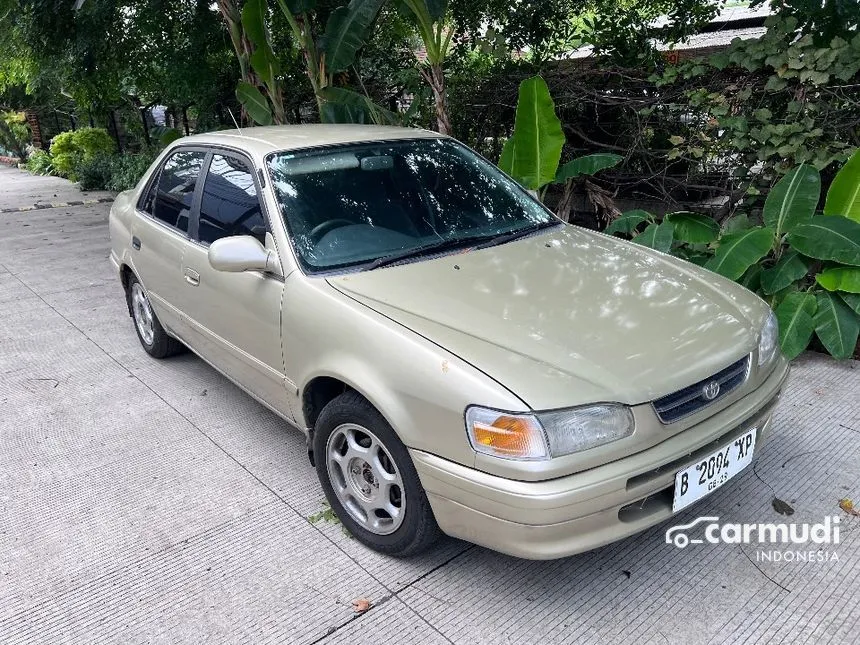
pixel 146 501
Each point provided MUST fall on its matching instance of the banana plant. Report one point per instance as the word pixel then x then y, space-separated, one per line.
pixel 327 54
pixel 436 35
pixel 533 152
pixel 805 263
pixel 266 65
pixel 333 52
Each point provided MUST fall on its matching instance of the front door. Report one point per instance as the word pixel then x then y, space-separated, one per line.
pixel 234 318
pixel 160 234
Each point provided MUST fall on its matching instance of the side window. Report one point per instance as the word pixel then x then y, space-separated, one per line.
pixel 230 205
pixel 169 199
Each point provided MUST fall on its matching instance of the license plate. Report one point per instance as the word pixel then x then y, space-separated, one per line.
pixel 710 472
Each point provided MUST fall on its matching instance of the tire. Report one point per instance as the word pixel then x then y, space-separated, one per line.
pixel 384 476
pixel 155 341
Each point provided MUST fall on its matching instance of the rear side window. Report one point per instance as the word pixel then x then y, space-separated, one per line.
pixel 169 199
pixel 230 205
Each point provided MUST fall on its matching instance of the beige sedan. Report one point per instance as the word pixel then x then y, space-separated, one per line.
pixel 458 359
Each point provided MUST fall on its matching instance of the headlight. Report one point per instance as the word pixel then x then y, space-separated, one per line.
pixel 547 434
pixel 768 340
pixel 579 429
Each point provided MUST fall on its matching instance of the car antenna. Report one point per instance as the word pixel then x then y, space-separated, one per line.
pixel 236 123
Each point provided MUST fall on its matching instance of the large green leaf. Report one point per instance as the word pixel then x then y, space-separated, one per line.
pixel 694 228
pixel 843 197
pixel 739 251
pixel 265 63
pixel 509 153
pixel 796 325
pixel 254 21
pixel 751 278
pixel 341 105
pixel 587 165
pixel 833 238
pixel 852 300
pixel 789 268
pixel 736 223
pixel 656 236
pixel 345 32
pixel 254 102
pixel 263 59
pixel 793 200
pixel 628 221
pixel 836 325
pixel 840 279
pixel 531 155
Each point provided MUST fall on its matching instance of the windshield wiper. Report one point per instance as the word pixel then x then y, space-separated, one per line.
pixel 453 243
pixel 385 260
pixel 514 235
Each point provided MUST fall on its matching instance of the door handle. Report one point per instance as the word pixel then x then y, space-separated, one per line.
pixel 135 243
pixel 192 277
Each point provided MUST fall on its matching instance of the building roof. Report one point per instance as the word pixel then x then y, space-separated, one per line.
pixel 738 21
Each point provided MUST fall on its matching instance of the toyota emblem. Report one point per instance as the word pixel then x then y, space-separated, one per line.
pixel 711 391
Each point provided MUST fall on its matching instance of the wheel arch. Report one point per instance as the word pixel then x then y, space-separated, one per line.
pixel 323 388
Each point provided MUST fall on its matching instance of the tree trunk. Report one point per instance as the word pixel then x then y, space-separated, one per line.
pixel 115 128
pixel 278 115
pixel 565 204
pixel 436 79
pixel 232 15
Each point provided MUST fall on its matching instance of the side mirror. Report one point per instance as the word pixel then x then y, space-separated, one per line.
pixel 243 253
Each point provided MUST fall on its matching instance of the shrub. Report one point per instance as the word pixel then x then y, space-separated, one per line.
pixel 93 141
pixel 112 172
pixel 805 263
pixel 39 163
pixel 95 173
pixel 14 133
pixel 71 149
pixel 128 169
pixel 64 154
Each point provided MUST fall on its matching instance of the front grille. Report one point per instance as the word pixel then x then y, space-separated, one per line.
pixel 691 399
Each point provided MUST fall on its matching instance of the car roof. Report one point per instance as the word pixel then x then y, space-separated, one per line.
pixel 263 140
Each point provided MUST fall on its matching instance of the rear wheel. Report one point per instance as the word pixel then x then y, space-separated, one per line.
pixel 151 334
pixel 369 479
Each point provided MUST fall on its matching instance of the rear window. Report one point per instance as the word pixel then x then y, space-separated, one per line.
pixel 169 200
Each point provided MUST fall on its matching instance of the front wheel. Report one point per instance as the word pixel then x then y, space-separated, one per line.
pixel 369 479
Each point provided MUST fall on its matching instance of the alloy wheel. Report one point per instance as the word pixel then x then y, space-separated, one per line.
pixel 142 312
pixel 365 479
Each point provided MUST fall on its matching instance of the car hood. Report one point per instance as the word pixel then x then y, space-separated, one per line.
pixel 570 316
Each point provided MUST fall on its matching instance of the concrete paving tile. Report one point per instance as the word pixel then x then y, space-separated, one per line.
pixel 62 531
pixel 12 290
pixel 260 577
pixel 392 622
pixel 82 431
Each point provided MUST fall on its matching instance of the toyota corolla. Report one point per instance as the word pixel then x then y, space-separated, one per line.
pixel 459 360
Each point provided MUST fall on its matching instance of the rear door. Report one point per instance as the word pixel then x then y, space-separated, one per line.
pixel 234 318
pixel 160 232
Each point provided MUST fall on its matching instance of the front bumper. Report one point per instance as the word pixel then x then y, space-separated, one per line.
pixel 560 517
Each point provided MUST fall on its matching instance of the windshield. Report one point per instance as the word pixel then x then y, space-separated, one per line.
pixel 350 205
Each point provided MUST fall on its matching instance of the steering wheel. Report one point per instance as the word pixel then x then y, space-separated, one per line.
pixel 321 229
